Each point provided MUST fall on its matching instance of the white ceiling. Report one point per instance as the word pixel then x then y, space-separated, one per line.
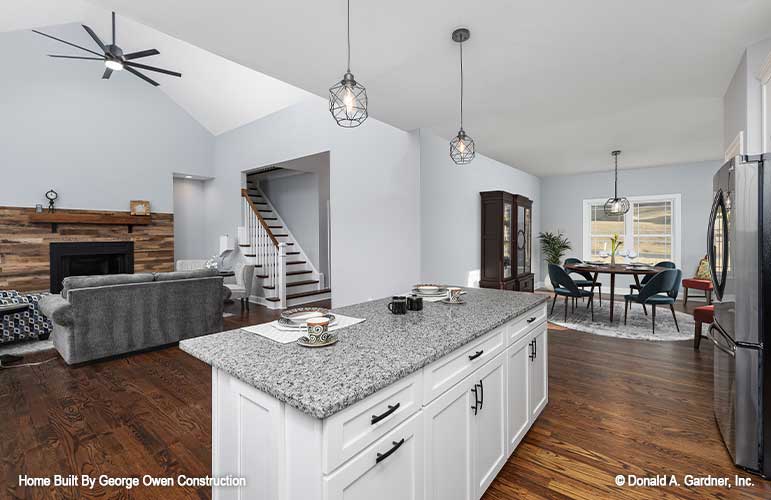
pixel 218 93
pixel 552 86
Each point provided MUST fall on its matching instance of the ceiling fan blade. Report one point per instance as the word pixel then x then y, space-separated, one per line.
pixel 152 68
pixel 93 35
pixel 68 43
pixel 77 57
pixel 107 74
pixel 140 75
pixel 141 53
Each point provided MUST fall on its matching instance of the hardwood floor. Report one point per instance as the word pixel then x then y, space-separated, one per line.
pixel 615 407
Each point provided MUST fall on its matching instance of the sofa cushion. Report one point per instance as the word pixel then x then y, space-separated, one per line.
pixel 74 282
pixel 183 275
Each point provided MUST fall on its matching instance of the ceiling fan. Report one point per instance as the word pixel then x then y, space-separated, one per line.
pixel 113 57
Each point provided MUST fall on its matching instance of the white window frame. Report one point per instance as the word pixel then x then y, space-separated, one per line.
pixel 629 225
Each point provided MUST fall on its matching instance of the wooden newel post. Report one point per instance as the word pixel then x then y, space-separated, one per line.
pixel 281 288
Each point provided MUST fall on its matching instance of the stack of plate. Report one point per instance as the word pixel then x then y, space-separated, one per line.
pixel 429 290
pixel 297 318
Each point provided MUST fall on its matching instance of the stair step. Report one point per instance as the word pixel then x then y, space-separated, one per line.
pixel 244 245
pixel 265 211
pixel 295 273
pixel 275 227
pixel 270 218
pixel 301 294
pixel 301 283
pixel 281 235
pixel 295 262
pixel 293 253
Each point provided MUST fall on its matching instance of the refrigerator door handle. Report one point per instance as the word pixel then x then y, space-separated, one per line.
pixel 724 344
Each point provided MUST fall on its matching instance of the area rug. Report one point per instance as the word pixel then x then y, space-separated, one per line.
pixel 638 325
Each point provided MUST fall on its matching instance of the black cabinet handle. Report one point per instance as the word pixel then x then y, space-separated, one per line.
pixel 481 395
pixel 531 319
pixel 476 400
pixel 532 351
pixel 383 456
pixel 474 356
pixel 535 348
pixel 390 410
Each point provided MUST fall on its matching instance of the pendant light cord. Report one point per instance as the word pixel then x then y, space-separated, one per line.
pixel 615 185
pixel 461 85
pixel 349 36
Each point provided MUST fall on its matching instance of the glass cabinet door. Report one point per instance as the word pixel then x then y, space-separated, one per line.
pixel 508 222
pixel 521 240
pixel 528 239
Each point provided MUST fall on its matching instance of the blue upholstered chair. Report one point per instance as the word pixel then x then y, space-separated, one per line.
pixel 587 278
pixel 661 289
pixel 564 286
pixel 633 287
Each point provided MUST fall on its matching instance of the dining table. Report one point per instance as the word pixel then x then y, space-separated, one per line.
pixel 595 269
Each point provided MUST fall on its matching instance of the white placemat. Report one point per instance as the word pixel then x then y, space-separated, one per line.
pixel 269 331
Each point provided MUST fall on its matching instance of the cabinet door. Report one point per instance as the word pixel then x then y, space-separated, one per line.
pixel 489 424
pixel 539 376
pixel 508 226
pixel 448 421
pixel 391 468
pixel 518 388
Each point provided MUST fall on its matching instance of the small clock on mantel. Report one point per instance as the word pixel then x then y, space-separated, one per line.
pixel 51 195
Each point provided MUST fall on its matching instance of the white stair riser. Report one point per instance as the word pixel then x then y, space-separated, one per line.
pixel 302 288
pixel 305 300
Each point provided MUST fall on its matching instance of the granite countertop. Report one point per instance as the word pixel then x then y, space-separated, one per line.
pixel 368 357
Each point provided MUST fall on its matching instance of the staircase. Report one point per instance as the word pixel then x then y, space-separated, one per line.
pixel 284 276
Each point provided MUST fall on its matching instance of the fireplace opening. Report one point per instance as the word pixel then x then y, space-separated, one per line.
pixel 88 259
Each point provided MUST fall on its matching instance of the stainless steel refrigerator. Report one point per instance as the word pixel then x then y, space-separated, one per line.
pixel 739 251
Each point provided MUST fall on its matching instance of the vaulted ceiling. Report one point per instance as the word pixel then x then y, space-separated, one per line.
pixel 552 86
pixel 218 93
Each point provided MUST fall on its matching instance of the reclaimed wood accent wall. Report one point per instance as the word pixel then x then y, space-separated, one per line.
pixel 24 257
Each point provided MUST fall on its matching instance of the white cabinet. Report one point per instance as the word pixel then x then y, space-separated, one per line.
pixel 448 430
pixel 539 376
pixel 389 469
pixel 489 424
pixel 518 367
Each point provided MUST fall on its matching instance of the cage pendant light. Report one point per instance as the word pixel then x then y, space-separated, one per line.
pixel 616 206
pixel 462 145
pixel 348 98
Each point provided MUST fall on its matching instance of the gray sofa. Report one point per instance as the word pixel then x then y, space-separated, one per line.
pixel 100 316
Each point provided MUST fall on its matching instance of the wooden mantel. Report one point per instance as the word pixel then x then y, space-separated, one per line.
pixel 113 219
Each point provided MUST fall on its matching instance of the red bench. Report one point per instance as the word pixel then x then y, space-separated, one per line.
pixel 703 314
pixel 697 284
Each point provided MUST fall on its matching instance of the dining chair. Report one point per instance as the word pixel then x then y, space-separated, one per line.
pixel 661 289
pixel 664 263
pixel 564 286
pixel 588 279
pixel 242 288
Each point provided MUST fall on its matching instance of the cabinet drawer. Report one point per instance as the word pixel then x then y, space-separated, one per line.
pixel 391 468
pixel 451 369
pixel 348 432
pixel 525 323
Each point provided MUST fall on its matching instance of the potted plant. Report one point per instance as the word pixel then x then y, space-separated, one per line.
pixel 554 246
pixel 615 244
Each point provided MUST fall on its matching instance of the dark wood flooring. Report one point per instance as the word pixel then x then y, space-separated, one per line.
pixel 615 407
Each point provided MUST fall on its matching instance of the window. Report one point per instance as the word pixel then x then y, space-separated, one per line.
pixel 649 232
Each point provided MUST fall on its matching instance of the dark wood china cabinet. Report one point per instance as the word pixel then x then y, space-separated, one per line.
pixel 507 241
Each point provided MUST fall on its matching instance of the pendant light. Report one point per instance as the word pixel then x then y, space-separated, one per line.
pixel 461 146
pixel 348 98
pixel 616 206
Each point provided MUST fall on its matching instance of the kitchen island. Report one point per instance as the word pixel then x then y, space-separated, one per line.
pixel 424 405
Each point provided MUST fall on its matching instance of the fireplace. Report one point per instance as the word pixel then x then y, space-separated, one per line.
pixel 89 258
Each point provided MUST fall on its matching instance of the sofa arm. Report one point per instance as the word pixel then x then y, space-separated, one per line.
pixel 226 293
pixel 57 309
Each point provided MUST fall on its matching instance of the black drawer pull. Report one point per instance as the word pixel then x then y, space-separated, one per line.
pixel 531 319
pixel 474 356
pixel 481 395
pixel 390 410
pixel 383 456
pixel 476 400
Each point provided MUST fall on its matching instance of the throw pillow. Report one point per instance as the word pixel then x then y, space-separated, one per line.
pixel 702 273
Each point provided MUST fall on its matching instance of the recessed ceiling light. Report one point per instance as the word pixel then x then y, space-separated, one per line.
pixel 188 177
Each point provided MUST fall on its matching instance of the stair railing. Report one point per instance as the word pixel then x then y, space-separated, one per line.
pixel 269 254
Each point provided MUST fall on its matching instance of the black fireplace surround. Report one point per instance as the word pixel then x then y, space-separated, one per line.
pixel 88 259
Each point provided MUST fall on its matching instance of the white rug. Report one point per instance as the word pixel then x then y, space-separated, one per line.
pixel 638 325
pixel 21 348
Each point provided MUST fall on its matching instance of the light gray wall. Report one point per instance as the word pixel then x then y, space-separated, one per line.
pixel 735 104
pixel 98 143
pixel 189 242
pixel 374 192
pixel 563 203
pixel 296 198
pixel 451 210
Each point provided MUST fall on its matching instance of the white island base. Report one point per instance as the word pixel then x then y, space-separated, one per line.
pixel 441 433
